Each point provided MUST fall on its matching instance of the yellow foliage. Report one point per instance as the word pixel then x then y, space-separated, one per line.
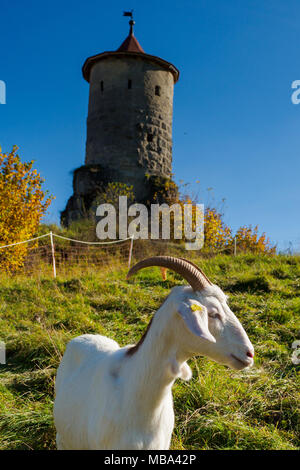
pixel 247 239
pixel 114 190
pixel 22 204
pixel 217 235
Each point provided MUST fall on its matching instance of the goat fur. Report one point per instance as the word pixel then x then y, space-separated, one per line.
pixel 109 398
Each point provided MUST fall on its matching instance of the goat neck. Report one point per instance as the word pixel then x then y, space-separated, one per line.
pixel 158 361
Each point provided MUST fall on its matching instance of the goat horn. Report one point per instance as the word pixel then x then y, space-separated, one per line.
pixel 187 270
pixel 199 269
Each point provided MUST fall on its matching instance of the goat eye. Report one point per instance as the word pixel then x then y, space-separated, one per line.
pixel 214 314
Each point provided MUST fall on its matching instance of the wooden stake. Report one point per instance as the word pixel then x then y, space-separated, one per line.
pixel 130 252
pixel 53 255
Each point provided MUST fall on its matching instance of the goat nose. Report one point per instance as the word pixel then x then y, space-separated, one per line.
pixel 250 353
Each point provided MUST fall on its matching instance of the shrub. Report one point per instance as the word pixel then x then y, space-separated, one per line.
pixel 247 239
pixel 22 204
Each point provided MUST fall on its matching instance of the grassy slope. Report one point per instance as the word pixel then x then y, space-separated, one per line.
pixel 218 409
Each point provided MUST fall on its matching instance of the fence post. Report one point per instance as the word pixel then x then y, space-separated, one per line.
pixel 53 255
pixel 234 246
pixel 130 252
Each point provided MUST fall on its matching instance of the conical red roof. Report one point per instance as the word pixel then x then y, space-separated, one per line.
pixel 131 48
pixel 130 44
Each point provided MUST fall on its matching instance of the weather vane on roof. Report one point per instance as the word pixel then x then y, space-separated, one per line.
pixel 131 22
pixel 128 13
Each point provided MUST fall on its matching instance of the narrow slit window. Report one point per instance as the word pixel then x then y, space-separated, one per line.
pixel 157 90
pixel 101 86
pixel 129 84
pixel 150 137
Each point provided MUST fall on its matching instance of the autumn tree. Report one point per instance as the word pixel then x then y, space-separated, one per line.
pixel 22 204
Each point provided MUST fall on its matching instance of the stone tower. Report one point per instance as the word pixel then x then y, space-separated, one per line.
pixel 129 124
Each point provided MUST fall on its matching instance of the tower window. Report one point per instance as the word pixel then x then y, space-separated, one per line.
pixel 101 86
pixel 150 137
pixel 129 84
pixel 157 90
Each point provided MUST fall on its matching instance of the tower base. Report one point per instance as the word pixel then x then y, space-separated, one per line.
pixel 90 183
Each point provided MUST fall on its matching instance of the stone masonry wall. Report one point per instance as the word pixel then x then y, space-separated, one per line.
pixel 129 133
pixel 129 126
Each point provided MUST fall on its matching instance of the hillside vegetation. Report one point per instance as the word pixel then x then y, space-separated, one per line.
pixel 218 409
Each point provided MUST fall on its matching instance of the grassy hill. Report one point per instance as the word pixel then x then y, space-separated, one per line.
pixel 218 409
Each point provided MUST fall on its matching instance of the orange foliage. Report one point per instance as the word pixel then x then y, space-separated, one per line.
pixel 217 235
pixel 247 239
pixel 22 204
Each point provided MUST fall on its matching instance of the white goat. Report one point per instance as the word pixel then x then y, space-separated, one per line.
pixel 109 397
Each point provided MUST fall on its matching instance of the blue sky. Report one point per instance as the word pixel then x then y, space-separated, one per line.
pixel 235 128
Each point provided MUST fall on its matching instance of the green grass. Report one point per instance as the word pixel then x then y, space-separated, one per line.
pixel 218 409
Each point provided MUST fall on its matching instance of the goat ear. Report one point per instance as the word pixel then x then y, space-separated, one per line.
pixel 195 317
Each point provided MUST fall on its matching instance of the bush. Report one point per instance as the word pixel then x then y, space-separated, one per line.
pixel 22 204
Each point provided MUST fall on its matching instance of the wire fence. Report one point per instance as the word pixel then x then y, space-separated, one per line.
pixel 55 253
